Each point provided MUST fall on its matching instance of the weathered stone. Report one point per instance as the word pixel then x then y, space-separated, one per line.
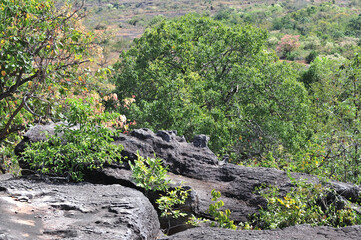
pixel 177 153
pixel 200 141
pixel 38 133
pixel 32 209
pixel 197 168
pixel 301 232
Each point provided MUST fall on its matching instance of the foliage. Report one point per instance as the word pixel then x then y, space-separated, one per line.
pixel 222 218
pixel 197 75
pixel 79 144
pixel 334 89
pixel 311 56
pixel 196 221
pixel 329 22
pixel 167 204
pixel 149 173
pixel 331 25
pixel 41 46
pixel 287 44
pixel 305 204
pixel 6 159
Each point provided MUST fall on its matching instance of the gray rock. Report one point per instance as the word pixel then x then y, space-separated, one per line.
pixel 301 232
pixel 196 167
pixel 38 133
pixel 200 141
pixel 74 211
pixel 177 153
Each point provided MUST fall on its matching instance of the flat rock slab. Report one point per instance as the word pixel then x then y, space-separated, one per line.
pixel 301 232
pixel 32 209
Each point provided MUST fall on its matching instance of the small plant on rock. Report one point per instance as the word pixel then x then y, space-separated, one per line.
pixel 150 174
pixel 305 204
pixel 173 198
pixel 80 143
pixel 222 218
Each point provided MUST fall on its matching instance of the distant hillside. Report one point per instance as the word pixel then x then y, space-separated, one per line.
pixel 328 25
pixel 128 18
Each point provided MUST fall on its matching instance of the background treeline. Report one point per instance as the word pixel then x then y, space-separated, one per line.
pixel 324 27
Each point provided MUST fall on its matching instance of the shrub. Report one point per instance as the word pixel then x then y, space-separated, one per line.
pixel 287 44
pixel 311 56
pixel 80 143
pixel 100 27
pixel 149 174
pixel 304 204
pixel 222 218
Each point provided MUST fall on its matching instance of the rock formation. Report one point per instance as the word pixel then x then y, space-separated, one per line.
pixel 300 232
pixel 198 168
pixel 31 209
pixel 191 164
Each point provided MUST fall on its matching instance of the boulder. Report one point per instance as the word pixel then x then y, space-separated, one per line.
pixel 195 166
pixel 31 209
pixel 38 133
pixel 198 168
pixel 301 232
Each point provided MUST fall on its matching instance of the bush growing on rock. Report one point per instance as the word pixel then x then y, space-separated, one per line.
pixel 306 203
pixel 80 143
pixel 149 174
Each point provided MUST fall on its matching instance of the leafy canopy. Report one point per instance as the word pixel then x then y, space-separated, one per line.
pixel 41 46
pixel 196 75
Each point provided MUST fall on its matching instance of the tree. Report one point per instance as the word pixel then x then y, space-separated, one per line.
pixel 334 87
pixel 287 44
pixel 41 48
pixel 196 75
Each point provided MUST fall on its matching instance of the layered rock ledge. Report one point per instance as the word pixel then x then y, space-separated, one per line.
pixel 194 166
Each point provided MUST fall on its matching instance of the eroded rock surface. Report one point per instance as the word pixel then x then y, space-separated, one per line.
pixel 300 232
pixel 31 209
pixel 196 167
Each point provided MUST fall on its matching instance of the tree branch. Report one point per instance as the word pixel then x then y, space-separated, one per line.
pixel 18 83
pixel 7 130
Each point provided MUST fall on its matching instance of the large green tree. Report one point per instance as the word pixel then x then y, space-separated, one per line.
pixel 41 48
pixel 334 87
pixel 196 75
